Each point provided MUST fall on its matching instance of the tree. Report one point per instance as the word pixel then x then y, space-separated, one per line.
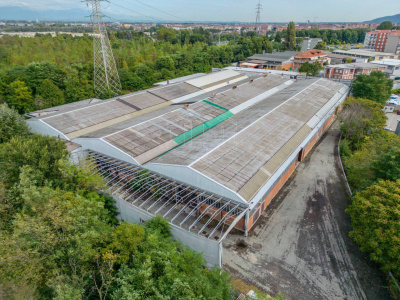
pixel 386 166
pixel 18 96
pixel 311 69
pixel 385 25
pixel 57 232
pixel 359 118
pixel 163 268
pixel 320 46
pixel 375 218
pixel 290 41
pixel 375 87
pixel 11 124
pixel 77 89
pixel 278 37
pixel 370 162
pixel 125 241
pixel 164 62
pixel 40 152
pixel 49 95
pixel 130 81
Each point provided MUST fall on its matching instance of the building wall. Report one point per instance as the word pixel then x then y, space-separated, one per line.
pixel 392 44
pixel 350 73
pixel 287 67
pixel 255 214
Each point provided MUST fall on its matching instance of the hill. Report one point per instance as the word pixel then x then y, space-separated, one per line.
pixel 393 19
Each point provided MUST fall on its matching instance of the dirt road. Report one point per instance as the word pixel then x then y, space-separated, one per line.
pixel 305 249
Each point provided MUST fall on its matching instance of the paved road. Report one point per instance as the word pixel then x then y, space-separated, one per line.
pixel 305 249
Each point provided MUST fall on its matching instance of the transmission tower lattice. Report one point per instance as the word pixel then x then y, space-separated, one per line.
pixel 106 79
pixel 258 17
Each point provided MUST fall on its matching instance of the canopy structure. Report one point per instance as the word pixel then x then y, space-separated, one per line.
pixel 188 207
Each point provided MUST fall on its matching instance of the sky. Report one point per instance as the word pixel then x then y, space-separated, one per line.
pixel 230 10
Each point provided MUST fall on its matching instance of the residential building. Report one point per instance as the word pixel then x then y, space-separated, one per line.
pixel 272 61
pixel 367 54
pixel 376 40
pixel 310 56
pixel 208 154
pixel 350 71
pixel 393 44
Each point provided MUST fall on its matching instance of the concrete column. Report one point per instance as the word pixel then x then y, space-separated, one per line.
pixel 246 223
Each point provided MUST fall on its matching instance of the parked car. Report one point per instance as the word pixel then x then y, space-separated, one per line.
pixel 398 112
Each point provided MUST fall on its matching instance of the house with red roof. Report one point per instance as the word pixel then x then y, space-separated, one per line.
pixel 310 56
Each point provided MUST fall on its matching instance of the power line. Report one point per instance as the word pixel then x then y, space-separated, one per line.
pixel 167 13
pixel 258 17
pixel 136 12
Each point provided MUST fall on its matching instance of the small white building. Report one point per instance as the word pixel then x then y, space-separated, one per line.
pixel 392 67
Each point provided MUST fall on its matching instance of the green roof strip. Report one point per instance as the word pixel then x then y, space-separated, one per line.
pixel 203 127
pixel 216 105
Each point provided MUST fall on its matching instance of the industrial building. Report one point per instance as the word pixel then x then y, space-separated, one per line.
pixel 208 153
pixel 367 54
pixel 272 61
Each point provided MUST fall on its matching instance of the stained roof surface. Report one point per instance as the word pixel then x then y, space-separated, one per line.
pixel 260 137
pixel 237 135
pixel 86 118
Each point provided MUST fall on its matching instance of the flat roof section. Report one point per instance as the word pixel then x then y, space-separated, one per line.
pixel 180 79
pixel 241 94
pixel 63 108
pixel 216 78
pixel 175 91
pixel 277 56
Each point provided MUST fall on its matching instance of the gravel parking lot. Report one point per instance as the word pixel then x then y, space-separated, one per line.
pixel 300 246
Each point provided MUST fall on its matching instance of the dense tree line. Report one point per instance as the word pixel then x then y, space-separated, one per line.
pixel 330 36
pixel 371 156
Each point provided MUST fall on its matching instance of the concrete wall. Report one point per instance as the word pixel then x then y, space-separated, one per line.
pixel 38 126
pixel 102 146
pixel 212 250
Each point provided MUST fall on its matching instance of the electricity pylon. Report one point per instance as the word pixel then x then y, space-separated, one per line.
pixel 106 79
pixel 258 17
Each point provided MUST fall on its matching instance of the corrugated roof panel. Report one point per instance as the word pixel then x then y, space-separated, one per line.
pixel 215 78
pixel 175 91
pixel 260 142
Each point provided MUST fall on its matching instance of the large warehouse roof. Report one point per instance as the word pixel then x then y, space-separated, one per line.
pixel 206 132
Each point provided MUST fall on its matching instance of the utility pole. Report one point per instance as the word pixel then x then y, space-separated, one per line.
pixel 258 17
pixel 106 79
